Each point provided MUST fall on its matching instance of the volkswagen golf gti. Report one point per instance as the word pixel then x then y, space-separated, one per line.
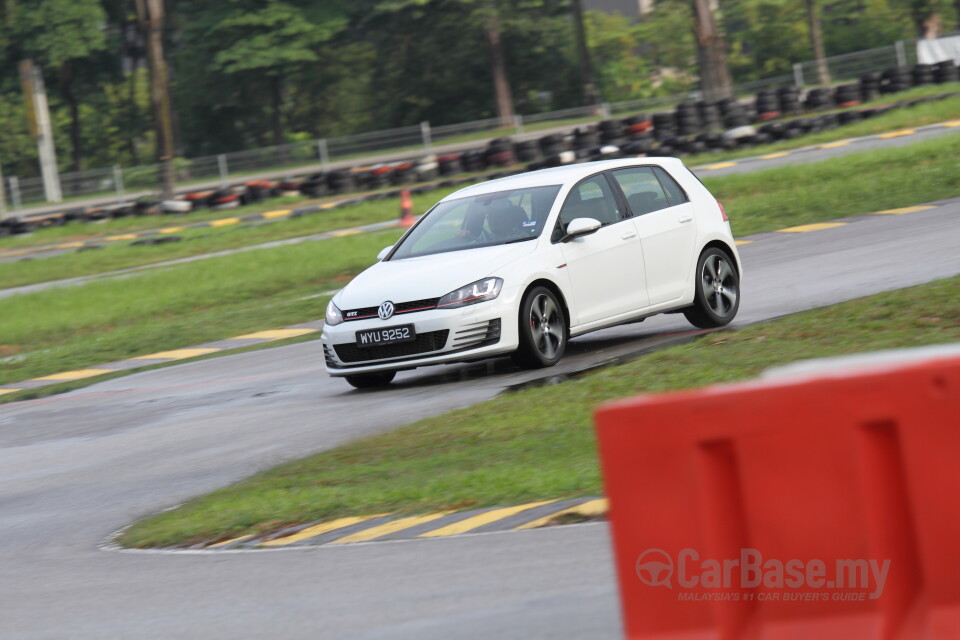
pixel 522 264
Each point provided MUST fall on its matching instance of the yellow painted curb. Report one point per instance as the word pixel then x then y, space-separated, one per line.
pixel 771 156
pixel 6 391
pixel 79 374
pixel 275 334
pixel 812 227
pixel 721 165
pixel 177 354
pixel 834 145
pixel 224 222
pixel 481 519
pixel 172 229
pixel 125 236
pixel 896 134
pixel 316 530
pixel 894 212
pixel 591 508
pixel 388 527
pixel 270 215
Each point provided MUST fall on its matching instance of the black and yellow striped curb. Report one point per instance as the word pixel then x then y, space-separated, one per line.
pixel 305 328
pixel 259 218
pixel 828 145
pixel 382 527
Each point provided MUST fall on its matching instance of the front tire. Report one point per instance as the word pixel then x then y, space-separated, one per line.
pixel 543 330
pixel 717 296
pixel 371 380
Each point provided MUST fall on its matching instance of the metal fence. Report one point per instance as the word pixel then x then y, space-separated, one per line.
pixel 324 153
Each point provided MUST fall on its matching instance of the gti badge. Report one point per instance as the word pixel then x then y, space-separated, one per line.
pixel 385 311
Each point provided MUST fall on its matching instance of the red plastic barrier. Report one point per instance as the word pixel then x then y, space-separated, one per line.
pixel 821 508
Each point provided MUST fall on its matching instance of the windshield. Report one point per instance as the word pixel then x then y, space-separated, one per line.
pixel 480 221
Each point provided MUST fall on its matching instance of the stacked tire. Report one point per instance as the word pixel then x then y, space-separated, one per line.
pixel 869 86
pixel 820 98
pixel 499 153
pixel 449 164
pixel 895 79
pixel 733 113
pixel 340 182
pixel 710 115
pixel 586 137
pixel 946 71
pixel 664 125
pixel 612 132
pixel 526 151
pixel 688 119
pixel 788 99
pixel 848 95
pixel 551 145
pixel 922 74
pixel 767 105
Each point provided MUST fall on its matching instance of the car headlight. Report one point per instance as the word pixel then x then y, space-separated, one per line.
pixel 479 291
pixel 334 316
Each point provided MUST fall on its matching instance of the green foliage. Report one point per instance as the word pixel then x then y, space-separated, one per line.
pixel 53 32
pixel 250 73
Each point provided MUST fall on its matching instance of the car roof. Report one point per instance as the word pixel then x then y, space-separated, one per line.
pixel 567 174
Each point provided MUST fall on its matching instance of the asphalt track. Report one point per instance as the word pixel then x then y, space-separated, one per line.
pixel 74 468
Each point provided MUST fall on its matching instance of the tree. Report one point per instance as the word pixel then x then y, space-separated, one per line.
pixel 151 17
pixel 711 53
pixel 816 41
pixel 260 46
pixel 63 36
pixel 590 95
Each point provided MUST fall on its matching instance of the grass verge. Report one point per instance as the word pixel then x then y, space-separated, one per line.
pixel 72 328
pixel 196 242
pixel 537 444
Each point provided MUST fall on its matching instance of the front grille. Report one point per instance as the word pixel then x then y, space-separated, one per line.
pixel 398 308
pixel 425 343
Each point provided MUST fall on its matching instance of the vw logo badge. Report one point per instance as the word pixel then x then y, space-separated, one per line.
pixel 385 311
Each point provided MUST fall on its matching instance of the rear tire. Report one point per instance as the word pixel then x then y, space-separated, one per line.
pixel 543 330
pixel 371 380
pixel 716 298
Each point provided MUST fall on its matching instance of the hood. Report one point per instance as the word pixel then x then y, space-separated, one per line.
pixel 428 276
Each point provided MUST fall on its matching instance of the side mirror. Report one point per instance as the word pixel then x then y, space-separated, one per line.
pixel 580 227
pixel 383 253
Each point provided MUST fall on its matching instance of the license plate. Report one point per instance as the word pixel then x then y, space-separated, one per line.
pixel 387 335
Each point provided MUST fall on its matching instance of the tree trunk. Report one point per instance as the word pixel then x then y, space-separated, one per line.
pixel 132 117
pixel 711 54
pixel 498 68
pixel 76 144
pixel 151 15
pixel 816 42
pixel 276 117
pixel 590 94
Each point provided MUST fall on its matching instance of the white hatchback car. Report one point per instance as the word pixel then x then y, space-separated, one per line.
pixel 522 264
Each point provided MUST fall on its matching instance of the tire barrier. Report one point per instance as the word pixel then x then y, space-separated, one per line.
pixel 693 127
pixel 821 506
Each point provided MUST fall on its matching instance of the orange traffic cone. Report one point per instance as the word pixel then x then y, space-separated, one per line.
pixel 406 209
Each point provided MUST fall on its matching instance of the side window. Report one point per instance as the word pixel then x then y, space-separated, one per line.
pixel 642 189
pixel 674 193
pixel 592 198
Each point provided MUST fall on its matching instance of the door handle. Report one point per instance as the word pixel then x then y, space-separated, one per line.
pixel 683 219
pixel 628 235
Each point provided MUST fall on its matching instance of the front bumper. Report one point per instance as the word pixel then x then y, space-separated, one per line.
pixel 443 335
